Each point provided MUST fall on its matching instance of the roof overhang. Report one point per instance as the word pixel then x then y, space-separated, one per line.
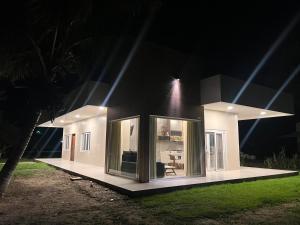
pixel 79 114
pixel 219 91
pixel 244 112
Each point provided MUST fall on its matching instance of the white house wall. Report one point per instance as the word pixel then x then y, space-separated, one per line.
pixel 96 154
pixel 228 122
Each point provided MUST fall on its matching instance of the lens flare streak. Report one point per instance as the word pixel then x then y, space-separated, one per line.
pixel 129 58
pixel 267 56
pixel 280 90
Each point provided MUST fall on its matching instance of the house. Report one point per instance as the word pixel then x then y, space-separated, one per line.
pixel 155 126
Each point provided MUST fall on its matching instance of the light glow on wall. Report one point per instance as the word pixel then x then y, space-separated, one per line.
pixel 175 97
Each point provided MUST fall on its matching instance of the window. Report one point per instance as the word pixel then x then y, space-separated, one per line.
pixel 67 142
pixel 175 147
pixel 123 147
pixel 86 141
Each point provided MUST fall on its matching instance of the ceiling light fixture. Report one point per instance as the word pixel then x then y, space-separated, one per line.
pixel 263 113
pixel 230 107
pixel 77 116
pixel 62 121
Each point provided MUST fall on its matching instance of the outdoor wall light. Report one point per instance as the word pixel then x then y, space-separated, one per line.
pixel 263 113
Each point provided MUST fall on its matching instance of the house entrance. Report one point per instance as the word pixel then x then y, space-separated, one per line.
pixel 72 151
pixel 214 149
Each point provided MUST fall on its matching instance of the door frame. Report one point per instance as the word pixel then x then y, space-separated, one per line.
pixel 224 139
pixel 72 148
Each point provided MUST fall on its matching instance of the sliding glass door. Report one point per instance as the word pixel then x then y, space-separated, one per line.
pixel 175 147
pixel 214 148
pixel 123 147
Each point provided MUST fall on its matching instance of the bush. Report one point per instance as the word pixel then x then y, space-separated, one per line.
pixel 282 161
pixel 246 158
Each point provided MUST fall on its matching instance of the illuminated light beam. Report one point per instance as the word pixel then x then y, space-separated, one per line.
pixel 107 65
pixel 79 94
pixel 40 139
pixel 46 142
pixel 71 106
pixel 129 57
pixel 269 53
pixel 55 149
pixel 280 90
pixel 127 62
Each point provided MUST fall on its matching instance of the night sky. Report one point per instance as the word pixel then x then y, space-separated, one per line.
pixel 221 37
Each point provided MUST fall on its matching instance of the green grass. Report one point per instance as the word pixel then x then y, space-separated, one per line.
pixel 29 168
pixel 225 199
pixel 22 160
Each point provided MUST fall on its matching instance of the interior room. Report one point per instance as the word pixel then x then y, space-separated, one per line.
pixel 170 147
pixel 123 148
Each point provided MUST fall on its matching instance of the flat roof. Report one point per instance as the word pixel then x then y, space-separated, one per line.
pixel 82 113
pixel 244 112
pixel 222 88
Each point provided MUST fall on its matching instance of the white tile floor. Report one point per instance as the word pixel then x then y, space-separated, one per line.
pixel 135 188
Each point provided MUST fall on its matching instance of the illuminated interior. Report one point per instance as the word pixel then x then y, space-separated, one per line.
pixel 123 147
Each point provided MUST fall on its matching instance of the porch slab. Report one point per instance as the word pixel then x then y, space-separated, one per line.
pixel 134 188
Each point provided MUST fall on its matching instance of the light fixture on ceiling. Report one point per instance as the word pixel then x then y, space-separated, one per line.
pixel 101 107
pixel 230 107
pixel 77 116
pixel 263 113
pixel 62 121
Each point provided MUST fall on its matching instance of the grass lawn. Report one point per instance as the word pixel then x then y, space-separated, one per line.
pixel 273 201
pixel 29 168
pixel 225 199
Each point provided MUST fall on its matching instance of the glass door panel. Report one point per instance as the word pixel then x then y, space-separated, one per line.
pixel 123 147
pixel 210 151
pixel 214 151
pixel 219 150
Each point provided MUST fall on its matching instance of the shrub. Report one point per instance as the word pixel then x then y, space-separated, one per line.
pixel 246 158
pixel 282 161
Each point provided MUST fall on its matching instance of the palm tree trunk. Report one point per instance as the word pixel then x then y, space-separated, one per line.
pixel 17 153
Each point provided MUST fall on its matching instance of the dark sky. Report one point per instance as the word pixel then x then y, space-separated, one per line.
pixel 229 38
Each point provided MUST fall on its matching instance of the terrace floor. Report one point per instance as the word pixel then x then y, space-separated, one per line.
pixel 134 188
